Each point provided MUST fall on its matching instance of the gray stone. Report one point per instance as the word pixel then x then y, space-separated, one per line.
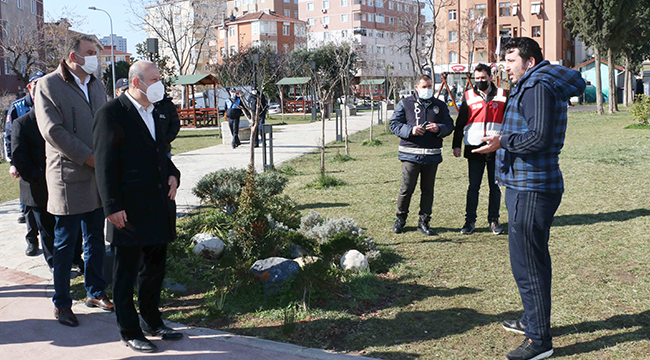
pixel 297 251
pixel 354 260
pixel 304 260
pixel 173 286
pixel 273 272
pixel 210 249
pixel 199 238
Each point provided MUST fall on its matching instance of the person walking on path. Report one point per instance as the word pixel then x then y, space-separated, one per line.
pixel 421 121
pixel 66 101
pixel 138 184
pixel 169 121
pixel 264 106
pixel 480 115
pixel 233 113
pixel 528 149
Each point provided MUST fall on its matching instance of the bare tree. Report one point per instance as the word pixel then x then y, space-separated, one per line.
pixel 182 26
pixel 346 59
pixel 22 45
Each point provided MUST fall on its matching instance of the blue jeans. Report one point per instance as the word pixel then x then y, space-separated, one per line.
pixel 66 235
pixel 530 215
pixel 476 170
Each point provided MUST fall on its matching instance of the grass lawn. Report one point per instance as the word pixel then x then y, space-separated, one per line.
pixel 448 293
pixel 9 189
pixel 188 140
pixel 289 119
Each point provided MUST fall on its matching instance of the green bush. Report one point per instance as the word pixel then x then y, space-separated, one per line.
pixel 375 142
pixel 641 109
pixel 325 182
pixel 342 157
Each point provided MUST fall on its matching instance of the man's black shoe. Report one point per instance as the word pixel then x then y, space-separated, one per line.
pixel 424 228
pixel 495 227
pixel 140 345
pixel 66 317
pixel 468 228
pixel 32 249
pixel 399 225
pixel 21 219
pixel 164 332
pixel 514 326
pixel 528 350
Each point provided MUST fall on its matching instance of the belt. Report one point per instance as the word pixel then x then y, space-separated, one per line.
pixel 420 151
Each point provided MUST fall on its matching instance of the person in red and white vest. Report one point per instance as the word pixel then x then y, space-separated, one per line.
pixel 480 115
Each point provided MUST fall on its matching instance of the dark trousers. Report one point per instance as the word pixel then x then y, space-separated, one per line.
pixel 259 135
pixel 32 226
pixel 233 124
pixel 149 274
pixel 66 236
pixel 476 170
pixel 530 215
pixel 410 173
pixel 45 224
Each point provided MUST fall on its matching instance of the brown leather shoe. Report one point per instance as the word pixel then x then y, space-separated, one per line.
pixel 103 303
pixel 66 316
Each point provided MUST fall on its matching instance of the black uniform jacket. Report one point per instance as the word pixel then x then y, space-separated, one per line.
pixel 28 155
pixel 132 175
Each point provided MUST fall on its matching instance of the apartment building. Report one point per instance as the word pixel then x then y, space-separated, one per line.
pixel 286 8
pixel 119 42
pixel 472 31
pixel 376 27
pixel 264 28
pixel 20 20
pixel 105 58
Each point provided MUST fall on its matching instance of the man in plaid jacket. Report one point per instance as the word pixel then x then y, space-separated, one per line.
pixel 534 126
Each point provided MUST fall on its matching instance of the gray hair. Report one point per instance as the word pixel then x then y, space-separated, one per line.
pixel 75 41
pixel 137 70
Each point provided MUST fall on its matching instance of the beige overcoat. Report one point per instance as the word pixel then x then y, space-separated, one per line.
pixel 65 119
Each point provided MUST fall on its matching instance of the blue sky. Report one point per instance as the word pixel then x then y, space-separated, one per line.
pixel 96 22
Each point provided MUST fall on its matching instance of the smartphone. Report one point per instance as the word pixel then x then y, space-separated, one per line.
pixel 425 123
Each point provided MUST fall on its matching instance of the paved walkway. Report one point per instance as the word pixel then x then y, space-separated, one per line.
pixel 28 329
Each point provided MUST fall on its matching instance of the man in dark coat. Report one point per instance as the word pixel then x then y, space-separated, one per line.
pixel 137 183
pixel 168 119
pixel 264 107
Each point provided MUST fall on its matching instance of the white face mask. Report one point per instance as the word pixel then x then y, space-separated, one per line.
pixel 155 92
pixel 90 64
pixel 425 94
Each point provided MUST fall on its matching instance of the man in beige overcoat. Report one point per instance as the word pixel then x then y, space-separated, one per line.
pixel 66 102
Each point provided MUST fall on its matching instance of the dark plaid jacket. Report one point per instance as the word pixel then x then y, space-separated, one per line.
pixel 533 130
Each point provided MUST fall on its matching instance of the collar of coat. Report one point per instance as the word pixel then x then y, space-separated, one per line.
pixel 66 73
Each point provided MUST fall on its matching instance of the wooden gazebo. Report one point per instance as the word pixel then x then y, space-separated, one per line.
pixel 190 116
pixel 293 106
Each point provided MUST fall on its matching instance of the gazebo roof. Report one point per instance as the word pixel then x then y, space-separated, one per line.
pixel 197 79
pixel 372 82
pixel 294 81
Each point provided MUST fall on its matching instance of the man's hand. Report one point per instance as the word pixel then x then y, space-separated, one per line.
pixel 118 219
pixel 173 185
pixel 91 161
pixel 433 127
pixel 418 130
pixel 457 152
pixel 493 144
pixel 14 172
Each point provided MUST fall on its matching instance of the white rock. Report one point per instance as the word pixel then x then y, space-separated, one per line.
pixel 199 238
pixel 304 260
pixel 209 249
pixel 354 260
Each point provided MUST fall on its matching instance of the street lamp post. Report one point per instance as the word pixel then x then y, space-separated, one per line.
pixel 112 47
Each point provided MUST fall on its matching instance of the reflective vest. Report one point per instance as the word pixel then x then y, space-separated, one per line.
pixel 484 119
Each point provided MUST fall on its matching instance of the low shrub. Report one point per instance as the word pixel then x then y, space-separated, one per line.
pixel 641 109
pixel 342 157
pixel 325 182
pixel 375 142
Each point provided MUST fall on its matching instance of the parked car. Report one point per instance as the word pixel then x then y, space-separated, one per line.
pixel 274 108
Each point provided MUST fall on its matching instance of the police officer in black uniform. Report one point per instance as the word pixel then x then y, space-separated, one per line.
pixel 421 121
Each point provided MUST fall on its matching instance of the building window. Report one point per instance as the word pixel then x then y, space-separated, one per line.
pixel 453 57
pixel 452 15
pixel 480 10
pixel 310 21
pixel 391 5
pixel 310 6
pixel 287 1
pixel 406 8
pixel 379 3
pixel 381 49
pixel 453 36
pixel 536 8
pixel 286 29
pixel 371 17
pixel 344 17
pixel 326 20
pixel 255 28
pixel 344 33
pixel 232 31
pixel 537 31
pixel 481 56
pixel 401 66
pixel 399 6
pixel 232 50
pixel 222 51
pixel 5 29
pixel 344 2
pixel 380 18
pixel 391 20
pixel 287 13
pixel 380 34
pixel 326 35
pixel 371 3
pixel 295 14
pixel 326 4
pixel 504 9
pixel 33 6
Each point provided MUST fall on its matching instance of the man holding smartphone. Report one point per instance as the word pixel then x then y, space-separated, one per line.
pixel 421 121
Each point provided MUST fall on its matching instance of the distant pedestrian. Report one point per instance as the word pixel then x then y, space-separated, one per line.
pixel 120 86
pixel 233 113
pixel 66 102
pixel 421 121
pixel 169 121
pixel 262 110
pixel 528 149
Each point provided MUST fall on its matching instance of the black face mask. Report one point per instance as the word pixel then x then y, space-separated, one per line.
pixel 482 85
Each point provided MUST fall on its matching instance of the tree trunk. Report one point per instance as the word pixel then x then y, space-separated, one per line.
pixel 372 112
pixel 322 144
pixel 612 81
pixel 344 112
pixel 599 85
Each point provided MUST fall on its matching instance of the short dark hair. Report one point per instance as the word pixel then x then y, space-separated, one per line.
pixel 483 68
pixel 73 44
pixel 528 48
pixel 423 77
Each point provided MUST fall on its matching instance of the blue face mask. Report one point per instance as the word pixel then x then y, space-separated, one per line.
pixel 425 94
